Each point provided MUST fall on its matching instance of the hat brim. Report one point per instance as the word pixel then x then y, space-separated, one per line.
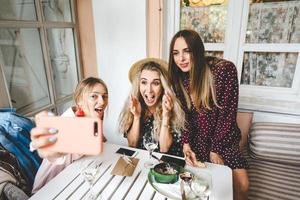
pixel 135 68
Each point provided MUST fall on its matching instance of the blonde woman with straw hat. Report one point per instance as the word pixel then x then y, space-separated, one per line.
pixel 152 109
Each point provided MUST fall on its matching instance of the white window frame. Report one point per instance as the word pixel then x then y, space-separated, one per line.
pixel 256 98
pixel 41 25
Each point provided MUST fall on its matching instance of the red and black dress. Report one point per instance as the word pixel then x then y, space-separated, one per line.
pixel 216 130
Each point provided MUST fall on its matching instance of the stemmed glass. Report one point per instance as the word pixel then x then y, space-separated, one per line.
pixel 150 143
pixel 89 174
pixel 201 185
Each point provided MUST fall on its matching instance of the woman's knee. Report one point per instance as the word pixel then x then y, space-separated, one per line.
pixel 241 180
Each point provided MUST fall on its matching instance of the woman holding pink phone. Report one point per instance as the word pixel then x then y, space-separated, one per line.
pixel 91 99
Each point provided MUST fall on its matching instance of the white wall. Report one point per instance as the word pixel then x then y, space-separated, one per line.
pixel 120 28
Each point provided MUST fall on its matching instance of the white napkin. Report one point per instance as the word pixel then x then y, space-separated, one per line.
pixel 170 190
pixel 173 190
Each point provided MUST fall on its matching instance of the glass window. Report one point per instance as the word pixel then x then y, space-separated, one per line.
pixel 214 53
pixel 57 10
pixel 17 10
pixel 63 107
pixel 209 20
pixel 261 37
pixel 22 60
pixel 63 60
pixel 39 60
pixel 269 69
pixel 273 22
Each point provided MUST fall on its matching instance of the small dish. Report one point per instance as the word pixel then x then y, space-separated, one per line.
pixel 200 185
pixel 165 172
pixel 171 191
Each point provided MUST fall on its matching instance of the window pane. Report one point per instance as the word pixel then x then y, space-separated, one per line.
pixel 22 60
pixel 218 54
pixel 269 69
pixel 63 60
pixel 57 10
pixel 17 10
pixel 63 107
pixel 208 20
pixel 274 22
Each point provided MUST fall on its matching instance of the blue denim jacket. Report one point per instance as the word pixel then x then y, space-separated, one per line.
pixel 15 138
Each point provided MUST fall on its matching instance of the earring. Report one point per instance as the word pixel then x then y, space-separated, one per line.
pixel 79 113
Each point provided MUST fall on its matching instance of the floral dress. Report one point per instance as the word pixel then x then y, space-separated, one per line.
pixel 145 132
pixel 216 130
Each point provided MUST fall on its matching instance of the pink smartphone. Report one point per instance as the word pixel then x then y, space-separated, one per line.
pixel 82 135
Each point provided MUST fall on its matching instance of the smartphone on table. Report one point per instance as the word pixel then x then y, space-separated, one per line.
pixel 127 152
pixel 82 135
pixel 176 161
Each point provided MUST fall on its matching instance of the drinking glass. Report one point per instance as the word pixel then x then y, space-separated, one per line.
pixel 150 143
pixel 201 185
pixel 89 174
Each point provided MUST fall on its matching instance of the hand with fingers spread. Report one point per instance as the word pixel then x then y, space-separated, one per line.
pixel 152 108
pixel 215 158
pixel 167 104
pixel 135 106
pixel 42 137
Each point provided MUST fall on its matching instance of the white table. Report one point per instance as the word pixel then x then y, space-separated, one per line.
pixel 69 184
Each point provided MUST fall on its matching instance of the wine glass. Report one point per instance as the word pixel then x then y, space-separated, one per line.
pixel 89 174
pixel 201 185
pixel 150 143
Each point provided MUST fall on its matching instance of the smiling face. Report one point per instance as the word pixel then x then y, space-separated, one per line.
pixel 182 54
pixel 150 87
pixel 94 101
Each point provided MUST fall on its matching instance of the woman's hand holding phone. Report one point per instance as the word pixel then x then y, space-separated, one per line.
pixel 38 139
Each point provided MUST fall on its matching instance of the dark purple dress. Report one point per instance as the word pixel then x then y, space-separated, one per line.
pixel 216 129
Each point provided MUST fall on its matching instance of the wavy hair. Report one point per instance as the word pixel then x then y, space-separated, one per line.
pixel 86 85
pixel 177 115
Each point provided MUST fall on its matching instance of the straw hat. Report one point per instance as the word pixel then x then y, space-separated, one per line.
pixel 135 68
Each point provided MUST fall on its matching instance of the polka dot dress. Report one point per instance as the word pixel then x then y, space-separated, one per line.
pixel 146 129
pixel 216 129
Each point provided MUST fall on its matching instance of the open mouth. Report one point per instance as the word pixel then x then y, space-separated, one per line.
pixel 99 110
pixel 149 98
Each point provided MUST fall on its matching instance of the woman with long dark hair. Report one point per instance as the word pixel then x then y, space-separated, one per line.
pixel 208 90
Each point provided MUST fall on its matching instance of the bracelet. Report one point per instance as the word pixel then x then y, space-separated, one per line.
pixel 166 125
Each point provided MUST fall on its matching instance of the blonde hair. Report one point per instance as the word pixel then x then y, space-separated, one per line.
pixel 85 86
pixel 177 115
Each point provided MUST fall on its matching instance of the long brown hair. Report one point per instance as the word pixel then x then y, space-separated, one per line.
pixel 202 87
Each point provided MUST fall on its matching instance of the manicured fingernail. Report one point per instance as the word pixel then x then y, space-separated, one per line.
pixel 52 139
pixel 53 130
pixel 51 114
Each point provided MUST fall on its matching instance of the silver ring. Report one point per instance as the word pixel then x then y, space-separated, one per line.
pixel 31 147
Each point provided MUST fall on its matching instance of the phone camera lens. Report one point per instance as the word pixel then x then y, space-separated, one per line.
pixel 95 129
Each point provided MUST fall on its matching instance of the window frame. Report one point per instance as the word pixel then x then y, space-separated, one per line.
pixel 254 98
pixel 42 25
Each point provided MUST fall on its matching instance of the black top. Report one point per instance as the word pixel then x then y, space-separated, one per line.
pixel 145 132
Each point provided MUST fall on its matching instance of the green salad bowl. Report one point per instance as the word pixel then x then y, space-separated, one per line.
pixel 165 172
